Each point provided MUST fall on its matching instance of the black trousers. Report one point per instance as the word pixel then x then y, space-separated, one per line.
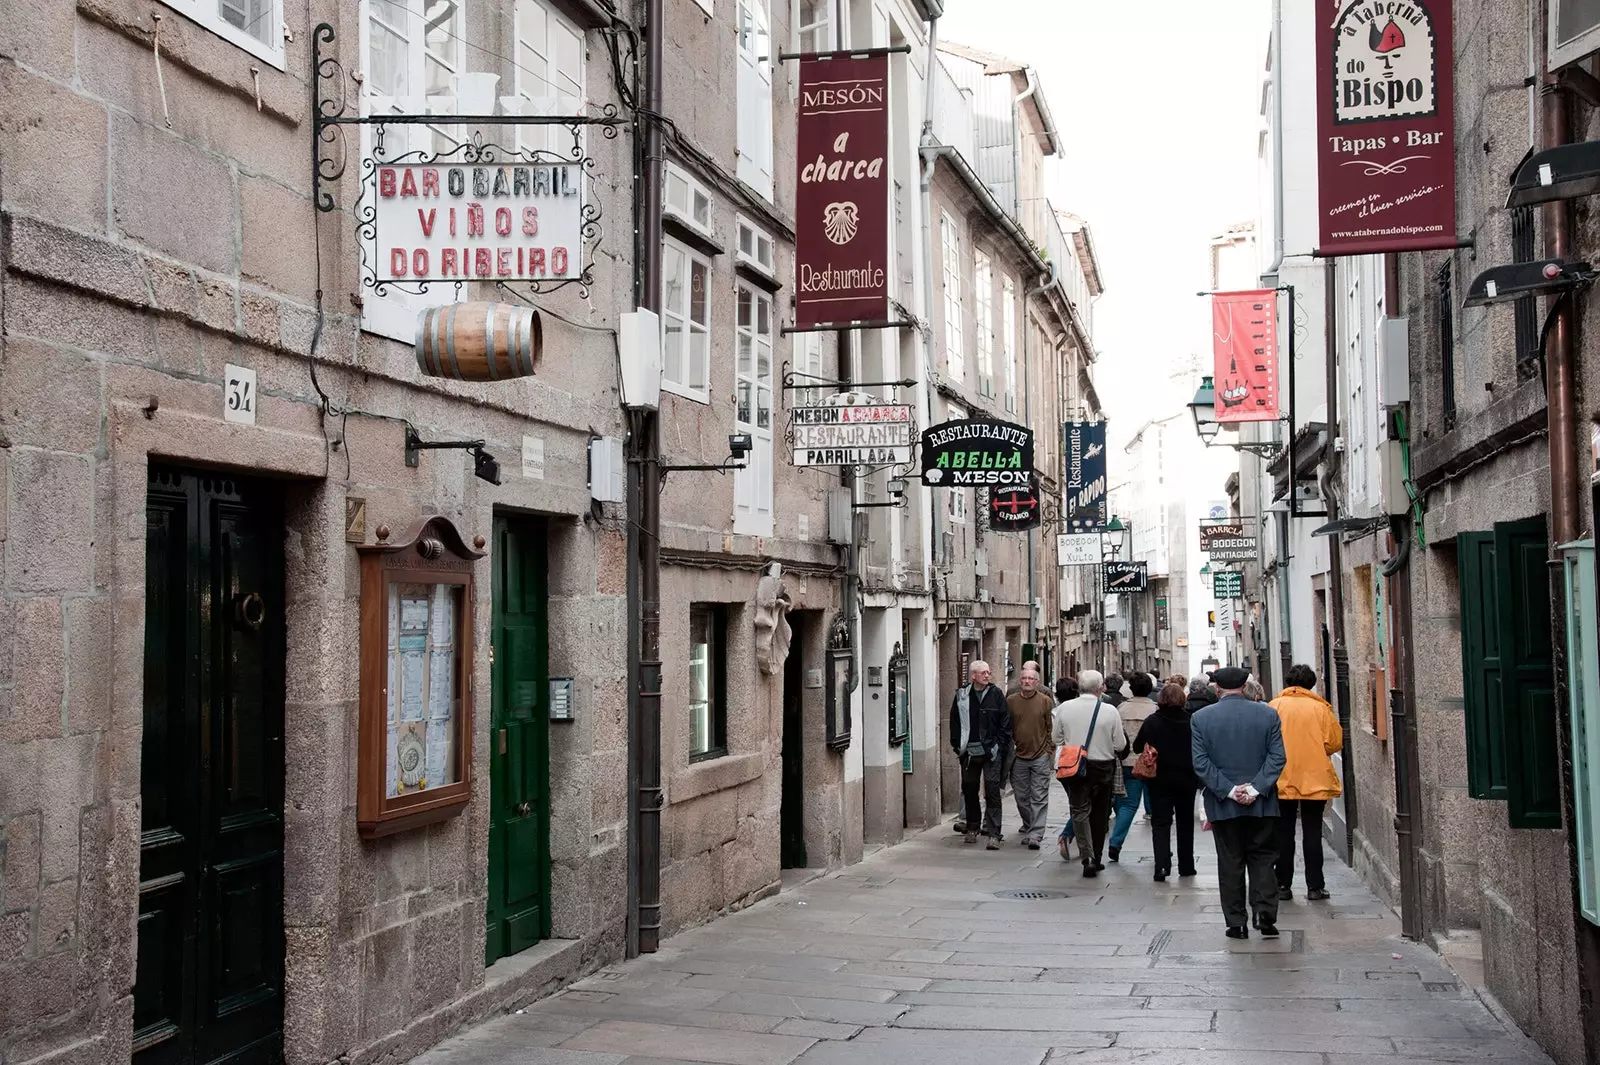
pixel 1089 795
pixel 987 771
pixel 1247 846
pixel 1172 807
pixel 1308 812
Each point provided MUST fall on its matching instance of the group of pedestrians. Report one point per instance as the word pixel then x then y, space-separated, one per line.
pixel 1264 772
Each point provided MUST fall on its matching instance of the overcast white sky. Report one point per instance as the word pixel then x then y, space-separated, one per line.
pixel 1157 105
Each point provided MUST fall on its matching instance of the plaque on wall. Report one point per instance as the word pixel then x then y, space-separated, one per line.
pixel 415 754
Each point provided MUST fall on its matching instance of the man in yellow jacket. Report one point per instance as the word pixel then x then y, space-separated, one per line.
pixel 1311 733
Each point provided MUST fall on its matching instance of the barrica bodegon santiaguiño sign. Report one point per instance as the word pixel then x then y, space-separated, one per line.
pixel 841 243
pixel 977 453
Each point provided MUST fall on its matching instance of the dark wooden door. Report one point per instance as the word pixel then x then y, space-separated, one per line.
pixel 1532 738
pixel 518 912
pixel 209 982
pixel 792 810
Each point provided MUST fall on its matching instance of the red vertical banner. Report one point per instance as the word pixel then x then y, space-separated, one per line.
pixel 1244 334
pixel 841 242
pixel 1386 171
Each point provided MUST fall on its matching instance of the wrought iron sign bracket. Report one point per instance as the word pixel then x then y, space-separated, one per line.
pixel 331 114
pixel 845 327
pixel 791 383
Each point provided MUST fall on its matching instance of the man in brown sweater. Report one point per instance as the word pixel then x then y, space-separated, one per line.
pixel 1032 713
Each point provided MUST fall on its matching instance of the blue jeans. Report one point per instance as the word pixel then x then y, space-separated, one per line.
pixel 1126 806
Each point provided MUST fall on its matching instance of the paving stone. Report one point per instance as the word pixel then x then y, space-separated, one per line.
pixel 910 959
pixel 689 1044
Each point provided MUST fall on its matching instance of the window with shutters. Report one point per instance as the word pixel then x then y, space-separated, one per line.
pixel 753 340
pixel 1513 751
pixel 1583 700
pixel 954 354
pixel 754 90
pixel 685 322
pixel 983 313
pixel 548 75
pixel 708 682
pixel 413 51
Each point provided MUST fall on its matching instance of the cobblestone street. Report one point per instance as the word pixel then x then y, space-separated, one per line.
pixel 934 952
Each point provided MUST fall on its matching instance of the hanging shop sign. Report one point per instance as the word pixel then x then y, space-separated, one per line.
pixel 1078 549
pixel 1126 576
pixel 1015 508
pixel 1385 127
pixel 1227 584
pixel 1163 616
pixel 437 222
pixel 1218 530
pixel 1241 548
pixel 1086 504
pixel 1244 336
pixel 853 430
pixel 842 198
pixel 977 453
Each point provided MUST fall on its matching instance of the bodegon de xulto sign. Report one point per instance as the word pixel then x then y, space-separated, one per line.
pixel 974 454
pixel 466 223
pixel 1385 126
pixel 842 203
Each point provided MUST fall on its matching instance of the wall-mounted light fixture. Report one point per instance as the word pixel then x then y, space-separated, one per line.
pixel 1204 409
pixel 739 447
pixel 484 465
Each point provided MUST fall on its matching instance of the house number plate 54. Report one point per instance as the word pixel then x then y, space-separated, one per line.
pixel 239 394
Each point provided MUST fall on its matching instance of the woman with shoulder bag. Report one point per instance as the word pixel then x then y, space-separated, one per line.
pixel 1164 754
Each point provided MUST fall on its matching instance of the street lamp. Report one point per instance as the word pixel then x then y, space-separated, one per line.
pixel 1203 408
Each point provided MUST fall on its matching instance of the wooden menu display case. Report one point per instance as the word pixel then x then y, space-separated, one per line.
pixel 415 746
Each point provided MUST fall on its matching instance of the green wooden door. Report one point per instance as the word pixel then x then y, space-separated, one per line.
pixel 1533 745
pixel 1480 665
pixel 209 978
pixel 518 912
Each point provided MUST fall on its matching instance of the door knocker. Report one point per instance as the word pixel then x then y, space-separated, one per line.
pixel 249 612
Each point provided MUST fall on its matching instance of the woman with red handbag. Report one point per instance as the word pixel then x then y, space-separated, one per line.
pixel 1163 744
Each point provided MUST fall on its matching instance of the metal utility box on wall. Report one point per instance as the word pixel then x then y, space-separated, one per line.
pixel 606 481
pixel 840 516
pixel 1394 368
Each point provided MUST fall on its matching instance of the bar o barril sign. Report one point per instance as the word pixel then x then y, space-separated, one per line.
pixel 508 222
pixel 842 202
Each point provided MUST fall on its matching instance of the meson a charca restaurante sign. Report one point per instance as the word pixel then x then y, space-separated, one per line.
pixel 501 222
pixel 842 202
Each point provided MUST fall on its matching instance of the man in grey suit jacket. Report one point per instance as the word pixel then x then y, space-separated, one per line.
pixel 1238 754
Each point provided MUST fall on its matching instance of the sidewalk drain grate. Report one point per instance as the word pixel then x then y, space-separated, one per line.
pixel 1031 894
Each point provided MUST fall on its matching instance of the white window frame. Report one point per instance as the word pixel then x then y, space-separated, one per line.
pixel 758 239
pixel 1579 46
pixel 954 352
pixel 816 35
pixel 535 93
pixel 394 314
pixel 705 5
pixel 699 391
pixel 807 351
pixel 208 13
pixel 752 486
pixel 695 208
pixel 983 319
pixel 754 126
pixel 1008 340
pixel 956 498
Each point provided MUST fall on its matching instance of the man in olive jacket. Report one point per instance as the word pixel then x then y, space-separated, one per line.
pixel 1238 753
pixel 980 735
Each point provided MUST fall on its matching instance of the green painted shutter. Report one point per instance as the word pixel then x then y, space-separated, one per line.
pixel 1532 743
pixel 1480 666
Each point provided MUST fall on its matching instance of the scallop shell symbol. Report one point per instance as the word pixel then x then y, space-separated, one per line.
pixel 839 222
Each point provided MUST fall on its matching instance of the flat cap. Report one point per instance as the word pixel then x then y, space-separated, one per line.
pixel 1230 678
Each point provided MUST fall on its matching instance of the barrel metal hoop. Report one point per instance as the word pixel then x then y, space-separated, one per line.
pixel 514 342
pixel 530 320
pixel 450 342
pixel 488 340
pixel 435 366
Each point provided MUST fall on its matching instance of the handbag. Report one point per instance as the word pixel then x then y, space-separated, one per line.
pixel 1144 767
pixel 1073 761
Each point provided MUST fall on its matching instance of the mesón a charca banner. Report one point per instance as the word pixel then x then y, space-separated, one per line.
pixel 1244 340
pixel 841 244
pixel 1385 126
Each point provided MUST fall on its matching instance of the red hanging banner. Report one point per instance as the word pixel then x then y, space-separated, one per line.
pixel 1385 126
pixel 1244 332
pixel 841 245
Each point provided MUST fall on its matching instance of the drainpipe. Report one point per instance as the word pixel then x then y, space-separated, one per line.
pixel 1045 284
pixel 926 162
pixel 644 561
pixel 1330 496
pixel 1565 512
pixel 1277 141
pixel 1016 144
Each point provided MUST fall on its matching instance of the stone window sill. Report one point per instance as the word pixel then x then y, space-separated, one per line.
pixel 719 774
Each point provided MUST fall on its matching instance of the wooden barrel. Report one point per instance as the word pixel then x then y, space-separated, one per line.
pixel 479 341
